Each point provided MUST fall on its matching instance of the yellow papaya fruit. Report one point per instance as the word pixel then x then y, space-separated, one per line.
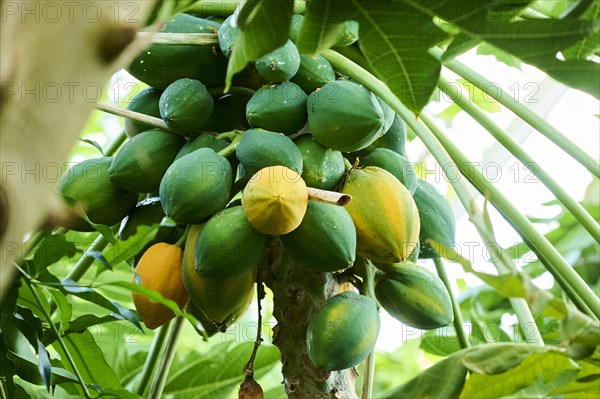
pixel 159 269
pixel 221 301
pixel 275 200
pixel 384 214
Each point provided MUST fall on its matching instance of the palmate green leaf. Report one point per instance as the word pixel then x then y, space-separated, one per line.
pixel 53 247
pixel 535 42
pixel 589 45
pixel 89 359
pixel 545 372
pixel 394 39
pixel 124 250
pixel 217 374
pixel 264 27
pixel 445 379
pixel 498 358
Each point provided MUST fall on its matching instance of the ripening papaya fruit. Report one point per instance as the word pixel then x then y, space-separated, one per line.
pixel 314 73
pixel 345 116
pixel 415 296
pixel 161 64
pixel 437 219
pixel 394 139
pixel 196 186
pixel 348 35
pixel 159 269
pixel 384 214
pixel 229 113
pixel 280 65
pixel 278 108
pixel 343 332
pixel 325 240
pixel 143 160
pixel 145 102
pixel 260 148
pixel 86 188
pixel 218 299
pixel 228 34
pixel 394 163
pixel 275 200
pixel 186 105
pixel 205 140
pixel 322 167
pixel 228 246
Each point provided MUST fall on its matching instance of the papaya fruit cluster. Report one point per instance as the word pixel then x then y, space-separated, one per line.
pixel 236 170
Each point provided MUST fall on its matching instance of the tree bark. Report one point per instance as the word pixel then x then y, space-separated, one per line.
pixel 298 293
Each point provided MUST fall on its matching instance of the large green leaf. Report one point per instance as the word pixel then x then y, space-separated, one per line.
pixel 322 23
pixel 539 373
pixel 89 360
pixel 536 42
pixel 264 26
pixel 219 373
pixel 445 379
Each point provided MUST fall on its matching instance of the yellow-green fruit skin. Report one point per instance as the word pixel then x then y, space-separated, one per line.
pixel 159 269
pixel 218 299
pixel 384 214
pixel 343 332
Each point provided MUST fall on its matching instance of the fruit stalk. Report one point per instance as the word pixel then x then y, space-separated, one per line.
pixel 160 378
pixel 369 291
pixel 298 294
pixel 137 116
pixel 156 348
pixel 458 320
pixel 198 39
pixel 330 197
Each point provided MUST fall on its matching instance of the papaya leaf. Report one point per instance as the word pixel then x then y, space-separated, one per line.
pixel 590 45
pixel 323 22
pixel 7 367
pixel 498 358
pixel 459 45
pixel 264 26
pixel 29 325
pixel 218 374
pixel 44 364
pixel 155 296
pixel 580 334
pixel 80 324
pixel 536 42
pixel 537 371
pixel 125 250
pixel 64 307
pixel 89 360
pixel 94 144
pixel 90 295
pixel 53 247
pixel 445 379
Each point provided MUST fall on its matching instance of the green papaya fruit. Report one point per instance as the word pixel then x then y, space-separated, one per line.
pixel 205 140
pixel 325 240
pixel 396 164
pixel 344 116
pixel 196 186
pixel 228 34
pixel 388 114
pixel 145 102
pixel 280 65
pixel 314 73
pixel 343 332
pixel 394 139
pixel 186 105
pixel 348 35
pixel 228 246
pixel 437 219
pixel 85 187
pixel 260 148
pixel 161 64
pixel 216 298
pixel 143 160
pixel 278 108
pixel 211 327
pixel 295 26
pixel 415 296
pixel 229 113
pixel 322 167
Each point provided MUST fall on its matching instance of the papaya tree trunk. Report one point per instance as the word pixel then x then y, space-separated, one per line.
pixel 298 294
